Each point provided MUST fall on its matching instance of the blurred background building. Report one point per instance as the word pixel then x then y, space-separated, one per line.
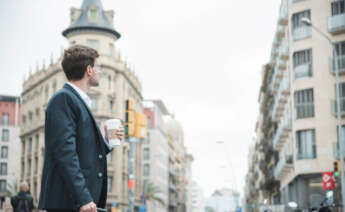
pixel 10 145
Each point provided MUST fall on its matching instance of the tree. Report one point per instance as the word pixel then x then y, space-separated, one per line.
pixel 151 192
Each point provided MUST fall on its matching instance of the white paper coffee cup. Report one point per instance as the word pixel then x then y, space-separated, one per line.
pixel 112 126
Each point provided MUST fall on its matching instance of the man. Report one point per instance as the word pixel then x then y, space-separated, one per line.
pixel 75 170
pixel 23 201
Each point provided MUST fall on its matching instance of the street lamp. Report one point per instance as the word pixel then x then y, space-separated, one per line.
pixel 308 22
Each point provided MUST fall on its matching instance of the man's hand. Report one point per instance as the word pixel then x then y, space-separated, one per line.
pixel 120 133
pixel 90 207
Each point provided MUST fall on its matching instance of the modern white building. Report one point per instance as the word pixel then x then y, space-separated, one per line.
pixel 156 154
pixel 198 199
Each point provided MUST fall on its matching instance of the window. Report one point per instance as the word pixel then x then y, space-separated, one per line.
pixel 30 145
pixel 93 14
pixel 5 119
pixel 146 154
pixel 36 165
pixel 338 7
pixel 47 92
pixel 111 49
pixel 306 148
pixel 2 185
pixel 340 57
pixel 111 105
pixel 93 103
pixel 29 167
pixel 300 30
pixel 3 168
pixel 92 44
pixel 37 113
pixel 304 104
pixel 297 17
pixel 302 63
pixel 24 119
pixel 110 183
pixel 4 152
pixel 146 170
pixel 109 82
pixel 37 143
pixel 5 135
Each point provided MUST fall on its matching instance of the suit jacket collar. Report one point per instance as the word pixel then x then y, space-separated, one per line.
pixel 70 88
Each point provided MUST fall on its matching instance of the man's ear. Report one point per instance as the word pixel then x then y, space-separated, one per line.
pixel 88 71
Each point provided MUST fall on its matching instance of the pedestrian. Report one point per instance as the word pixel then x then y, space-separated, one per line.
pixel 23 201
pixel 74 174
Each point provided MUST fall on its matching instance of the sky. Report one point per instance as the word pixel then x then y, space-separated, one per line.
pixel 203 58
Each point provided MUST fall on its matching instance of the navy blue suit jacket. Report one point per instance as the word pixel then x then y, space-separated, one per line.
pixel 75 166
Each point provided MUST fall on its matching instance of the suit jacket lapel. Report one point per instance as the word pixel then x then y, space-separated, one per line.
pixel 68 87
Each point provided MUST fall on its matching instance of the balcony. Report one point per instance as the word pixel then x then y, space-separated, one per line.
pixel 303 70
pixel 301 33
pixel 336 24
pixel 172 186
pixel 342 106
pixel 276 43
pixel 284 52
pixel 284 166
pixel 280 32
pixel 283 18
pixel 340 60
pixel 282 65
pixel 285 88
pixel 282 133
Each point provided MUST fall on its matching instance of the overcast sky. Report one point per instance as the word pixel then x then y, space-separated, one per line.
pixel 203 58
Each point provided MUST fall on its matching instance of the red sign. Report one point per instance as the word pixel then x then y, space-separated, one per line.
pixel 328 180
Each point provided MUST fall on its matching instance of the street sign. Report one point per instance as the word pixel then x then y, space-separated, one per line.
pixel 328 180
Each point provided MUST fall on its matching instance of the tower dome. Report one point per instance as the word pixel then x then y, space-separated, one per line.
pixel 91 16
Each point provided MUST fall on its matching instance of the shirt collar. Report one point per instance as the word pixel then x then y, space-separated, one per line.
pixel 82 94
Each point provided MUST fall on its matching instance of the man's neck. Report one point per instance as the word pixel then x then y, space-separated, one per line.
pixel 81 84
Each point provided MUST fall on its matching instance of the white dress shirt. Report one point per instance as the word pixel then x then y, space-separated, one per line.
pixel 82 94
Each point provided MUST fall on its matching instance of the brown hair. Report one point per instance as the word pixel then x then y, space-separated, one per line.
pixel 76 59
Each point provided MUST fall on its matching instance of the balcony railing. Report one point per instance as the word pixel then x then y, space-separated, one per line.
pixel 172 186
pixel 283 15
pixel 282 133
pixel 336 24
pixel 342 106
pixel 284 165
pixel 303 70
pixel 282 65
pixel 280 32
pixel 301 33
pixel 284 52
pixel 340 60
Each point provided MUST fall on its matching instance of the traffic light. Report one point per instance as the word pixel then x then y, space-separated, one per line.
pixel 336 169
pixel 129 125
pixel 140 125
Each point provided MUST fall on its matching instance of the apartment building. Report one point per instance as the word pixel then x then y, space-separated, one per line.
pixel 91 25
pixel 298 92
pixel 10 109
